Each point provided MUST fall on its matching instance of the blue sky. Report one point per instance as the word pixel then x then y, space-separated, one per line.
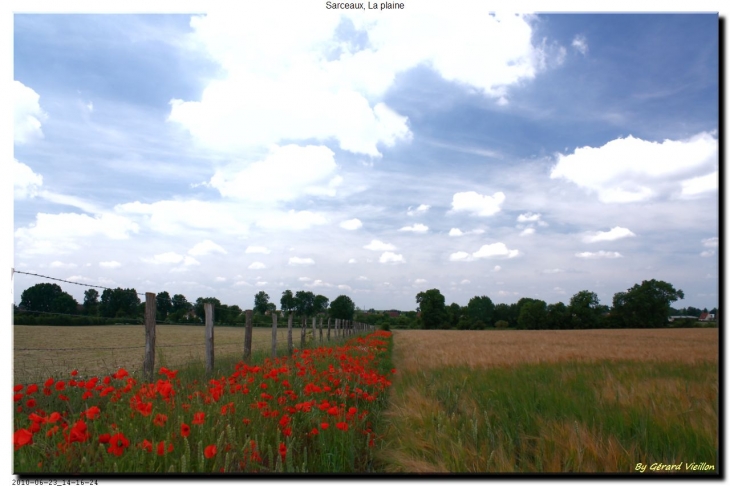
pixel 369 154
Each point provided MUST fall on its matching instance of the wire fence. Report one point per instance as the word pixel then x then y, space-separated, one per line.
pixel 32 363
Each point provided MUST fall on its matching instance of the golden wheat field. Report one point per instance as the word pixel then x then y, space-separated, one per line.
pixel 43 351
pixel 417 349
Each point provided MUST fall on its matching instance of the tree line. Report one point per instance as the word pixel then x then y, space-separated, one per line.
pixel 48 304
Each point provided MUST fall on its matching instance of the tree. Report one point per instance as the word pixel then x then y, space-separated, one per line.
pixel 453 314
pixel 585 310
pixel 433 308
pixel 558 316
pixel 41 298
pixel 342 308
pixel 180 303
pixel 65 304
pixel 119 303
pixel 91 301
pixel 533 314
pixel 164 305
pixel 503 312
pixel 287 301
pixel 481 311
pixel 320 304
pixel 199 308
pixel 261 302
pixel 304 303
pixel 646 305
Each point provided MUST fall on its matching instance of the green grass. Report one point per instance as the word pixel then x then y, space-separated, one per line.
pixel 605 416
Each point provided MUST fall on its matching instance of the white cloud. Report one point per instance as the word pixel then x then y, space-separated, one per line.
pixel 711 242
pixel 558 290
pixel 190 261
pixel 300 261
pixel 527 232
pixel 615 233
pixel 420 281
pixel 351 260
pixel 460 256
pixel 57 264
pixel 319 283
pixel 28 114
pixel 26 183
pixel 286 173
pixel 220 279
pixel 110 264
pixel 599 254
pixel 416 228
pixel 478 204
pixel 495 250
pixel 707 253
pixel 163 258
pixel 580 44
pixel 377 245
pixel 59 233
pixel 304 279
pixel 242 283
pixel 553 270
pixel 179 217
pixel 256 266
pixel 465 282
pixel 700 185
pixel 390 257
pixel 455 232
pixel 206 247
pixel 291 220
pixel 257 249
pixel 528 218
pixel 626 169
pixel 261 284
pixel 344 287
pixel 351 224
pixel 419 210
pixel 361 278
pixel 496 268
pixel 90 106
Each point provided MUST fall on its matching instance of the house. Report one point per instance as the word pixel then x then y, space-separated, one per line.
pixel 672 318
pixel 705 317
pixel 393 313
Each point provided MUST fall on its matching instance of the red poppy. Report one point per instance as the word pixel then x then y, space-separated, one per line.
pixel 324 425
pixel 30 403
pixel 49 382
pixel 54 417
pixel 342 426
pixel 74 372
pixel 21 438
pixel 52 431
pixel 17 397
pixel 17 388
pixel 160 420
pixel 246 421
pixel 78 432
pixel 210 451
pixel 60 385
pixel 87 394
pixel 31 389
pixel 117 444
pixel 199 418
pixel 105 438
pixel 333 411
pixel 314 431
pixel 282 451
pixel 161 448
pixel 92 412
pixel 121 374
pixel 284 420
pixel 185 430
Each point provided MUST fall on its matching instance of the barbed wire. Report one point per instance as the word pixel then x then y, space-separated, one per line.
pixel 67 281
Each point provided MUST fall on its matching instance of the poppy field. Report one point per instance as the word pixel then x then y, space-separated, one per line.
pixel 313 411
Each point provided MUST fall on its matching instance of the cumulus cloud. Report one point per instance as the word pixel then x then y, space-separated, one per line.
pixel 300 261
pixel 711 242
pixel 528 218
pixel 390 257
pixel 261 284
pixel 257 249
pixel 419 210
pixel 167 257
pixel 344 287
pixel 495 250
pixel 110 264
pixel 707 253
pixel 377 245
pixel 351 260
pixel 362 278
pixel 351 224
pixel 599 254
pixel 26 183
pixel 455 232
pixel 58 264
pixel 527 232
pixel 287 173
pixel 416 228
pixel 284 79
pixel 28 114
pixel 206 247
pixel 699 185
pixel 580 44
pixel 420 281
pixel 460 256
pixel 478 204
pixel 496 268
pixel 465 281
pixel 615 233
pixel 256 266
pixel 291 220
pixel 626 169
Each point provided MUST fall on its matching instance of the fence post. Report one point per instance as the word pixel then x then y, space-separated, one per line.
pixel 314 330
pixel 288 336
pixel 208 337
pixel 328 329
pixel 337 326
pixel 304 330
pixel 248 336
pixel 150 314
pixel 320 330
pixel 274 319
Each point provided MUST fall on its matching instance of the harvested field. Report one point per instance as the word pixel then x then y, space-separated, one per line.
pixel 416 349
pixel 54 350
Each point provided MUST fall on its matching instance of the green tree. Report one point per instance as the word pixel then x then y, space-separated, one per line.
pixel 646 305
pixel 91 302
pixel 433 308
pixel 164 305
pixel 503 312
pixel 287 301
pixel 41 297
pixel 481 311
pixel 453 314
pixel 342 308
pixel 585 310
pixel 533 314
pixel 261 302
pixel 119 303
pixel 218 310
pixel 65 304
pixel 304 303
pixel 320 304
pixel 558 316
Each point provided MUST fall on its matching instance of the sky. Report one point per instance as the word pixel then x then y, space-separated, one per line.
pixel 366 153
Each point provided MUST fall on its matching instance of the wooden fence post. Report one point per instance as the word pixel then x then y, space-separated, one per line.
pixel 249 334
pixel 304 331
pixel 328 329
pixel 337 326
pixel 274 318
pixel 314 330
pixel 320 330
pixel 288 335
pixel 208 337
pixel 150 314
